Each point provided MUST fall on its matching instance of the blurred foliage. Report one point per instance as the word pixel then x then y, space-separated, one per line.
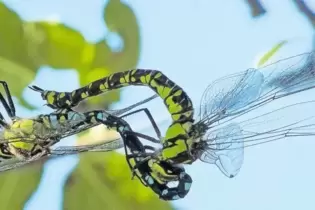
pixel 95 185
pixel 18 185
pixel 25 46
pixel 113 179
pixel 100 181
pixel 14 59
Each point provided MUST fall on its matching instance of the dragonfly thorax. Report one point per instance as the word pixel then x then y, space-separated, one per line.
pixel 24 137
pixel 197 131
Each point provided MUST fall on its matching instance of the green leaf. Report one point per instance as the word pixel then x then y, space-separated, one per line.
pixel 12 43
pixel 18 185
pixel 120 19
pixel 266 57
pixel 103 181
pixel 57 45
pixel 103 55
pixel 16 67
pixel 17 77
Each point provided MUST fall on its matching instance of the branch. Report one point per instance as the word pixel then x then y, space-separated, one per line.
pixel 304 9
pixel 256 7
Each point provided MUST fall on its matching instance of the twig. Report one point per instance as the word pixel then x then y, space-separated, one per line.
pixel 256 7
pixel 304 9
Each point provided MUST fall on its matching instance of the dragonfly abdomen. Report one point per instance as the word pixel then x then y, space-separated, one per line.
pixel 176 100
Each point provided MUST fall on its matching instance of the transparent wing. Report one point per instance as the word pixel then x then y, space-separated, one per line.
pixel 235 110
pixel 226 142
pixel 100 147
pixel 62 151
pixel 225 150
pixel 242 92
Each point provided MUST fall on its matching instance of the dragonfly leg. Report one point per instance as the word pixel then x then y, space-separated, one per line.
pixel 3 123
pixel 148 113
pixel 138 152
pixel 127 109
pixel 149 147
pixel 120 125
pixel 10 108
pixel 5 105
pixel 149 138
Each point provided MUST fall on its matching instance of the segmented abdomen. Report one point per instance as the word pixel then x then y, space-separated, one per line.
pixel 178 103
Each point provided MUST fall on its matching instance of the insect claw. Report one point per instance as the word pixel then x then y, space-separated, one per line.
pixel 36 88
pixel 31 87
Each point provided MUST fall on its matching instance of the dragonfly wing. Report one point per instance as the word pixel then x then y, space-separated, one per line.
pixel 62 151
pixel 290 75
pixel 242 92
pixel 225 144
pixel 16 163
pixel 223 151
pixel 100 147
pixel 228 94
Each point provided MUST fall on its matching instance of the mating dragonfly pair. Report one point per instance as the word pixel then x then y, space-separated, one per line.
pixel 230 119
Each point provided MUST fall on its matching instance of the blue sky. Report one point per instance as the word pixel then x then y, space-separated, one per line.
pixel 194 43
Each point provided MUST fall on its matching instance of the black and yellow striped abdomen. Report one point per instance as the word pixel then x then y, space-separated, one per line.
pixel 178 103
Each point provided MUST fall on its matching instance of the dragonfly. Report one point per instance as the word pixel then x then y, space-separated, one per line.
pixel 25 140
pixel 230 117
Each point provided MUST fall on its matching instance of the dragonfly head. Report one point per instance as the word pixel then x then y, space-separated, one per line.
pixel 197 131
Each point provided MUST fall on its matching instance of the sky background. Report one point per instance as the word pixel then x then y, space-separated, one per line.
pixel 194 43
